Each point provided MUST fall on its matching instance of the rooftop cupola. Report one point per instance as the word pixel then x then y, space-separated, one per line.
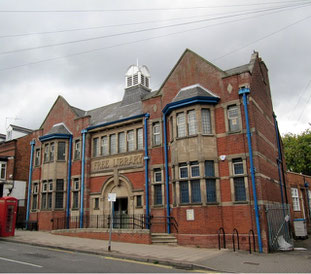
pixel 137 75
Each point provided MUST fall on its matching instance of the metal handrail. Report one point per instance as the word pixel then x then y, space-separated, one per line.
pixel 235 231
pixel 164 220
pixel 224 237
pixel 249 241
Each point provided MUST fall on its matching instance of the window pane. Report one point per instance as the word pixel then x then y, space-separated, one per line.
pixel 95 147
pixel 156 134
pixel 2 171
pixel 140 142
pixel 77 149
pixel 52 148
pixel 206 121
pixel 233 118
pixel 75 199
pixel 37 160
pixel 122 147
pixel 192 122
pixel 295 198
pixel 211 190
pixel 34 202
pixel 239 189
pixel 49 206
pixel 43 201
pixel 195 169
pixel 184 192
pixel 183 172
pixel 130 140
pixel 59 199
pixel 104 146
pixel 113 144
pixel 60 184
pixel 209 169
pixel 46 153
pixel 238 166
pixel 195 191
pixel 158 194
pixel 157 175
pixel 61 151
pixel 181 125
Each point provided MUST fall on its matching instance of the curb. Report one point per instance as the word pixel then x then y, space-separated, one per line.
pixel 119 255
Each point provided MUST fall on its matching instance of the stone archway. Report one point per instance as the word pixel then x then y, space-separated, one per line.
pixel 124 191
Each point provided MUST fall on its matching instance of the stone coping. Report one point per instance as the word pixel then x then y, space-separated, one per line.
pixel 101 230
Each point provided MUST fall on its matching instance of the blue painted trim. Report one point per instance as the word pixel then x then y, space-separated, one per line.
pixel 168 213
pixel 146 158
pixel 186 102
pixel 82 178
pixel 32 143
pixel 115 122
pixel 301 219
pixel 54 136
pixel 69 182
pixel 245 91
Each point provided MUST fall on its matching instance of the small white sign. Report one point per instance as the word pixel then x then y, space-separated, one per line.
pixel 190 215
pixel 112 197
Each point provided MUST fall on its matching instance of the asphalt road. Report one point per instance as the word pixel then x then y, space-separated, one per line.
pixel 22 258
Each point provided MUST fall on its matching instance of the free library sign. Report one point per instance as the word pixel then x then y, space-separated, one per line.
pixel 117 162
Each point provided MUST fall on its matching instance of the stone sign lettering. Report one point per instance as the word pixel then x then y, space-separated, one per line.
pixel 116 162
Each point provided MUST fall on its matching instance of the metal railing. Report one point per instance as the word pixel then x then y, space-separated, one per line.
pixel 249 241
pixel 221 230
pixel 120 221
pixel 235 232
pixel 162 221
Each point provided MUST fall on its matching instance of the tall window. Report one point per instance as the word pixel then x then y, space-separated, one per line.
pixel 95 147
pixel 104 146
pixel 184 192
pixel 75 193
pixel 195 191
pixel 61 151
pixel 50 193
pixel 238 180
pixel 35 188
pixel 206 121
pixel 46 153
pixel 295 198
pixel 156 133
pixel 59 194
pixel 44 195
pixel 2 170
pixel 130 140
pixel 77 152
pixel 37 158
pixel 122 147
pixel 192 123
pixel 113 144
pixel 210 182
pixel 233 118
pixel 181 125
pixel 52 150
pixel 140 140
pixel 158 194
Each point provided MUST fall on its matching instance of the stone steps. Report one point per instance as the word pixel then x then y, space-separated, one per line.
pixel 163 238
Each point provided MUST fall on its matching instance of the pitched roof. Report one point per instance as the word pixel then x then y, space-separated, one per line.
pixel 59 129
pixel 193 91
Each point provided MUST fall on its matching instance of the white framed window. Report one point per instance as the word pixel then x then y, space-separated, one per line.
pixel 140 139
pixel 46 153
pixel 35 188
pixel 75 193
pixel 52 152
pixel 157 175
pixel 77 153
pixel 121 143
pixel 192 122
pixel 181 125
pixel 295 198
pixel 95 147
pixel 206 121
pixel 183 170
pixel 238 180
pixel 195 169
pixel 104 149
pixel 37 158
pixel 44 186
pixel 238 168
pixel 130 140
pixel 61 151
pixel 2 170
pixel 233 118
pixel 50 186
pixel 156 133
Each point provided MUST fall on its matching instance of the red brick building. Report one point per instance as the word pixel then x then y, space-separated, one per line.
pixel 196 157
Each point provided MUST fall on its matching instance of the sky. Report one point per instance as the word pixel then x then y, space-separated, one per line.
pixel 81 50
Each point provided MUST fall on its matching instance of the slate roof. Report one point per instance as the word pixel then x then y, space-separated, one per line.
pixel 59 129
pixel 193 91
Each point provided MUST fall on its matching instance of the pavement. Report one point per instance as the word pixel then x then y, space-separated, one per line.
pixel 192 258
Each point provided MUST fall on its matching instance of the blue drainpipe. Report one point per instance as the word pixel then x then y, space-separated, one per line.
pixel 168 213
pixel 82 178
pixel 69 182
pixel 146 158
pixel 32 143
pixel 244 92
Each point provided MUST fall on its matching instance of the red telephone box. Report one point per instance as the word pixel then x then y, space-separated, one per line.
pixel 8 207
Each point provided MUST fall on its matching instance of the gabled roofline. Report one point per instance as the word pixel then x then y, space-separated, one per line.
pixel 179 60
